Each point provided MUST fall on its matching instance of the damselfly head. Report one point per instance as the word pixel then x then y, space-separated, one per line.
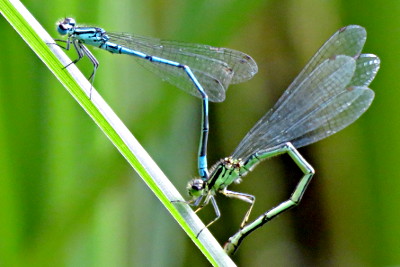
pixel 65 26
pixel 195 187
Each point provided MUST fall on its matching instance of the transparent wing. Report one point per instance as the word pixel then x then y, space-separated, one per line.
pixel 333 96
pixel 347 41
pixel 344 108
pixel 340 112
pixel 215 68
pixel 367 66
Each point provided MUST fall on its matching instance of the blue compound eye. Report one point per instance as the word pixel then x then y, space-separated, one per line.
pixel 62 30
pixel 66 25
pixel 70 21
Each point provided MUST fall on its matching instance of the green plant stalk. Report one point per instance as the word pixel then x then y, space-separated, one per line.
pixel 79 87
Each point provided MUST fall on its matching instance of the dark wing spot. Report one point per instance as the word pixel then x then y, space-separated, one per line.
pixel 342 29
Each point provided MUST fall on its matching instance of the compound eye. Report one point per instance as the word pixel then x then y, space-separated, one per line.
pixel 66 25
pixel 70 21
pixel 198 184
pixel 195 187
pixel 62 29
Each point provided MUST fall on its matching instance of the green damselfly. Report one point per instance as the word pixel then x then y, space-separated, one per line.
pixel 330 93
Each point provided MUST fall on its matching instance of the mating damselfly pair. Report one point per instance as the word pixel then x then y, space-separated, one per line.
pixel 330 93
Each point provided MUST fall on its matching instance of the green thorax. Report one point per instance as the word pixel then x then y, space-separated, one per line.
pixel 224 173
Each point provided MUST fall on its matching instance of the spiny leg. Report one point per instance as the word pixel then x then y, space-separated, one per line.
pixel 94 61
pixel 244 197
pixel 201 204
pixel 68 46
pixel 81 50
pixel 234 241
pixel 92 58
pixel 190 202
pixel 217 213
pixel 68 42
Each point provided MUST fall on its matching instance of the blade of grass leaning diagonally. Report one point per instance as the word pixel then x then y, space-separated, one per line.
pixel 78 86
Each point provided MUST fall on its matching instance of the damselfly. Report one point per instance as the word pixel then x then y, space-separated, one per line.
pixel 330 93
pixel 201 70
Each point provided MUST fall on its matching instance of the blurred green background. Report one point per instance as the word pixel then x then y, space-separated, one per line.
pixel 68 198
